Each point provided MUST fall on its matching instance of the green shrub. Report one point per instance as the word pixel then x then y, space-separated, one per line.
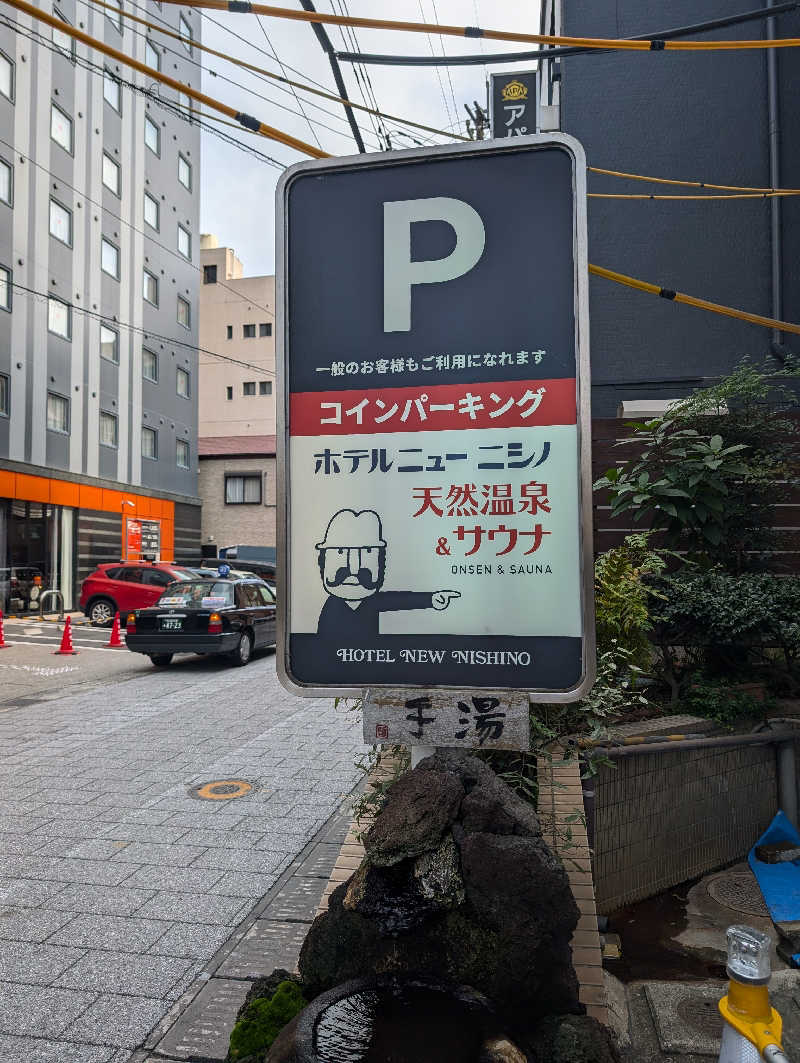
pixel 264 1020
pixel 724 703
pixel 623 598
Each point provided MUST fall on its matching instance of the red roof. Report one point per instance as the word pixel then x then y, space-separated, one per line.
pixel 235 446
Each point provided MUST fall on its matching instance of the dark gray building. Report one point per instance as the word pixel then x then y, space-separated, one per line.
pixel 99 249
pixel 703 116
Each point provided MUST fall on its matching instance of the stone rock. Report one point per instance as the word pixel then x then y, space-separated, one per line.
pixel 418 811
pixel 282 1050
pixel 573 1039
pixel 500 1050
pixel 438 875
pixel 490 908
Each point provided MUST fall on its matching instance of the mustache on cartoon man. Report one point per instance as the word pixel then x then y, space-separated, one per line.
pixel 352 565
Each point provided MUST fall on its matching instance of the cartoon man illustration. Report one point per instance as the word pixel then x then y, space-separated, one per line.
pixel 352 563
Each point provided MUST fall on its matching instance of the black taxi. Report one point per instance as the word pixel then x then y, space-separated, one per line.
pixel 230 614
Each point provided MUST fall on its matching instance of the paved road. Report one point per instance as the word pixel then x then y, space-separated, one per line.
pixel 116 882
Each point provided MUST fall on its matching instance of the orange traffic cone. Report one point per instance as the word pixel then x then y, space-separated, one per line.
pixel 66 646
pixel 115 642
pixel 3 643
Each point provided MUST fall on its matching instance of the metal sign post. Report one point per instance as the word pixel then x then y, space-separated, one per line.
pixel 514 103
pixel 434 534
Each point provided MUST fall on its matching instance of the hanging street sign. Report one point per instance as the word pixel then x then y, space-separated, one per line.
pixel 514 102
pixel 433 424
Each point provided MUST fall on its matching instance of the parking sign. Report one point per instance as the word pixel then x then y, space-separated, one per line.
pixel 433 421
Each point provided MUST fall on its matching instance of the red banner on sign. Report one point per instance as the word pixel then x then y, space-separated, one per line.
pixel 445 407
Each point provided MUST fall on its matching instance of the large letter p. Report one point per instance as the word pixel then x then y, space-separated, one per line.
pixel 400 274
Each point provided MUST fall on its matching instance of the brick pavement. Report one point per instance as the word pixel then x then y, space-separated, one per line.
pixel 117 886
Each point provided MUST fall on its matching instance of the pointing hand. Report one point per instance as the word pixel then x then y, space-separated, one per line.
pixel 441 599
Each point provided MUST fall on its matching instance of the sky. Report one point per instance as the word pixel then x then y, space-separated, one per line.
pixel 238 190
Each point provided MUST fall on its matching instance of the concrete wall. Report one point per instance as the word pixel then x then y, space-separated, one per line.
pixel 38 361
pixel 253 525
pixel 681 115
pixel 664 818
pixel 231 303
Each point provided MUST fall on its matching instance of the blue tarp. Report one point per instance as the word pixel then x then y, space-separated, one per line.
pixel 780 883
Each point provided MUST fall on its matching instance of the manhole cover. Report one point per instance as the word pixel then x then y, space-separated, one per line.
pixel 701 1015
pixel 221 789
pixel 738 890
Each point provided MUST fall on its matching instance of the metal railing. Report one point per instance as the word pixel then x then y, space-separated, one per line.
pixel 60 598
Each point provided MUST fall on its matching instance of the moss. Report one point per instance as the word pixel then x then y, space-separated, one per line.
pixel 263 1021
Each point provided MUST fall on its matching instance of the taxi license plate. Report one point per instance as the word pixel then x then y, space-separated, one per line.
pixel 171 623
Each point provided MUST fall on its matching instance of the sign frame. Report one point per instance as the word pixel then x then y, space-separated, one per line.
pixel 583 398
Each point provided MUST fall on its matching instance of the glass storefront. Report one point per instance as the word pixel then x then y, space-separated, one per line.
pixel 37 547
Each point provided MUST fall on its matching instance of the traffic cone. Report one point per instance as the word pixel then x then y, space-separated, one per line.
pixel 66 648
pixel 3 643
pixel 115 642
pixel 752 1028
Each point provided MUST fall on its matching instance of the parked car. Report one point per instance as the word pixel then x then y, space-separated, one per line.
pixel 126 585
pixel 232 616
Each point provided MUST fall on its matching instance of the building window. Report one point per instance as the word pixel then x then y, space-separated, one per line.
pixel 182 453
pixel 109 344
pixel 209 274
pixel 265 387
pixel 108 429
pixel 149 365
pixel 229 393
pixel 229 332
pixel 111 174
pixel 152 56
pixel 150 287
pixel 112 92
pixel 151 211
pixel 152 135
pixel 184 172
pixel 5 288
pixel 60 223
pixel 6 76
pixel 109 258
pixel 265 328
pixel 6 182
pixel 182 382
pixel 4 388
pixel 61 40
pixel 149 443
pixel 185 31
pixel 243 490
pixel 115 17
pixel 59 318
pixel 61 128
pixel 249 387
pixel 184 312
pixel 57 413
pixel 184 242
pixel 248 331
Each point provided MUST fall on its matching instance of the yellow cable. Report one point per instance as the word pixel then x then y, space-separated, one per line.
pixel 736 195
pixel 690 300
pixel 243 120
pixel 277 77
pixel 492 35
pixel 686 184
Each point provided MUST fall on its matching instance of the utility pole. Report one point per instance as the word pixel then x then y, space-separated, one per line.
pixel 478 121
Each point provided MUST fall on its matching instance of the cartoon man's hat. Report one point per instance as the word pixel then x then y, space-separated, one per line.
pixel 348 530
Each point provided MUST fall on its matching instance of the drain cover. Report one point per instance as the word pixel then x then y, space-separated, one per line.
pixel 738 890
pixel 701 1015
pixel 221 789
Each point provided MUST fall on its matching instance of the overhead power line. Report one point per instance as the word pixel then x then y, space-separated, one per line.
pixel 654 44
pixel 248 121
pixel 691 300
pixel 325 41
pixel 695 198
pixel 560 53
pixel 687 184
pixel 304 86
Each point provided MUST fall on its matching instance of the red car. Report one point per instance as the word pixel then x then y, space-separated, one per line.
pixel 124 586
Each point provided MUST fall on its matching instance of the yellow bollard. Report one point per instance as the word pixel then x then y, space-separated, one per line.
pixel 752 1028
